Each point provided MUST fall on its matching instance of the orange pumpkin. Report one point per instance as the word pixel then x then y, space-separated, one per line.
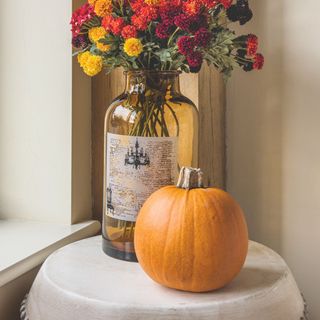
pixel 191 238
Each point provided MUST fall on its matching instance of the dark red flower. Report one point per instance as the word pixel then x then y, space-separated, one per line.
pixel 195 59
pixel 252 44
pixel 81 16
pixel 258 61
pixel 117 24
pixel 182 21
pixel 186 45
pixel 129 32
pixel 169 10
pixel 195 69
pixel 202 37
pixel 240 12
pixel 164 30
pixel 190 23
pixel 81 41
pixel 140 22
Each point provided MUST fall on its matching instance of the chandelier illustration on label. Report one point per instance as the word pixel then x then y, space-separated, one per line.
pixel 137 157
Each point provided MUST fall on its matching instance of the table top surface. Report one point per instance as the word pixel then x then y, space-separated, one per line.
pixel 80 282
pixel 103 278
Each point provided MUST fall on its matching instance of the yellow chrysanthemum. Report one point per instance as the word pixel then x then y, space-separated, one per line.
pixel 97 33
pixel 90 63
pixel 83 57
pixel 103 47
pixel 133 47
pixel 152 2
pixel 92 2
pixel 93 65
pixel 103 7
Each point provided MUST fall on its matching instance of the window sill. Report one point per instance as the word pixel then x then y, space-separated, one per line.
pixel 25 245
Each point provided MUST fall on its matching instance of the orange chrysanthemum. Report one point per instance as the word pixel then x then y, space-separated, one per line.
pixel 103 7
pixel 192 7
pixel 152 2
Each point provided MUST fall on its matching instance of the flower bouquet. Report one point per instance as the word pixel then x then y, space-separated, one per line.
pixel 163 35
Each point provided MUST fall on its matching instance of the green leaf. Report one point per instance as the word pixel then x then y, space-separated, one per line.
pixel 164 55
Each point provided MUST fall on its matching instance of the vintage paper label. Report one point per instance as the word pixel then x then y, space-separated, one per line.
pixel 135 168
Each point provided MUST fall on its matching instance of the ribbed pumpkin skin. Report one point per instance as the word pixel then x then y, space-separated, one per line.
pixel 192 240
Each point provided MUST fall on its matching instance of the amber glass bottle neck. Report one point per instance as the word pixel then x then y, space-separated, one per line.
pixel 141 81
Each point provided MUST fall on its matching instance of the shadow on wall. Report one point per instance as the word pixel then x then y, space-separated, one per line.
pixel 254 117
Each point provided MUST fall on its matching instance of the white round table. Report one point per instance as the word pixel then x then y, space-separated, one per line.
pixel 79 282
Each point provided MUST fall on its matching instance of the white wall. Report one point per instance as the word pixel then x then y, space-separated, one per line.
pixel 273 138
pixel 36 112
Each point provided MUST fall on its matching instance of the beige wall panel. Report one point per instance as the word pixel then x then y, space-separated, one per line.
pixel 273 139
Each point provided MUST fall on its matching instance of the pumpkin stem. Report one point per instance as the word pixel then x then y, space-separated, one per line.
pixel 190 178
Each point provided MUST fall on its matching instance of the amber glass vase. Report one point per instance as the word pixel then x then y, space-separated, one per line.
pixel 151 130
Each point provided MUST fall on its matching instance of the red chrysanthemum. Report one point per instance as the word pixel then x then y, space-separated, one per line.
pixel 258 61
pixel 81 16
pixel 186 45
pixel 226 3
pixel 129 32
pixel 164 30
pixel 168 3
pixel 202 37
pixel 136 5
pixel 149 13
pixel 195 59
pixel 107 22
pixel 209 3
pixel 140 22
pixel 117 24
pixel 190 23
pixel 182 21
pixel 191 7
pixel 252 45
